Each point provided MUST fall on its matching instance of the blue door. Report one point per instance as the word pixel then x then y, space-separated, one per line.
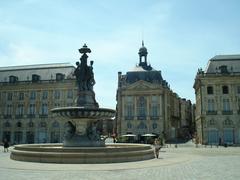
pixel 213 136
pixel 228 135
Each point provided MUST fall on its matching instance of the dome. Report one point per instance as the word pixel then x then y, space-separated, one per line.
pixel 143 50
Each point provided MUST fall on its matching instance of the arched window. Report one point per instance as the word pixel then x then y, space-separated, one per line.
pixel 30 124
pixel 154 125
pixel 35 78
pixel 42 124
pixel 60 77
pixel 55 124
pixel 129 125
pixel 13 79
pixel 142 126
pixel 19 124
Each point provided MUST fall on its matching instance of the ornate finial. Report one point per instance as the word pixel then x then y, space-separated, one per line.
pixel 85 49
pixel 142 43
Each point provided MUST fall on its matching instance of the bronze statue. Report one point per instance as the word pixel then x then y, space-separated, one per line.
pixel 84 73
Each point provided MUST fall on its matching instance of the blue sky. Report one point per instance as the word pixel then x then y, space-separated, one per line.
pixel 180 35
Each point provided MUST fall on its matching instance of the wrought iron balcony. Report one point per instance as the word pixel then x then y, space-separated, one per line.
pixel 7 116
pixel 129 117
pixel 19 116
pixel 43 115
pixel 142 117
pixel 154 117
pixel 31 115
pixel 211 112
pixel 227 112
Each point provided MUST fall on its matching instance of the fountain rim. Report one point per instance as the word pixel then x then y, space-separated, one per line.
pixel 74 112
pixel 82 108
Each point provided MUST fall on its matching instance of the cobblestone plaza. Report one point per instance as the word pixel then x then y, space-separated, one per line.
pixel 184 162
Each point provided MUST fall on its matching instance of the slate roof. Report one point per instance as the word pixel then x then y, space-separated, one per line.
pixel 215 64
pixel 45 71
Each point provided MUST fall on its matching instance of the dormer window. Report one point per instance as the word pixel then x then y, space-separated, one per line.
pixel 13 79
pixel 60 77
pixel 35 78
pixel 223 69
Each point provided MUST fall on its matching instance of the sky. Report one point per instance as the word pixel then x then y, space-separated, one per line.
pixel 180 35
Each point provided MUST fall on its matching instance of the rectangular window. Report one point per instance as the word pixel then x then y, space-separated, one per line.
pixel 225 89
pixel 44 95
pixel 33 95
pixel 9 96
pixel 70 94
pixel 57 94
pixel 20 109
pixel 209 90
pixel 238 89
pixel 32 109
pixel 211 105
pixel 154 107
pixel 9 109
pixel 44 109
pixel 129 107
pixel 226 105
pixel 21 96
pixel 141 108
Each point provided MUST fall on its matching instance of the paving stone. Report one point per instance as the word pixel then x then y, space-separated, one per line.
pixel 183 163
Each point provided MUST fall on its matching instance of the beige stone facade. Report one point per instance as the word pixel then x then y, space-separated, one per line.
pixel 27 94
pixel 217 92
pixel 146 104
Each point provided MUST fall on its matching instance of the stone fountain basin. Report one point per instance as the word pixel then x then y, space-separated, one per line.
pixel 56 153
pixel 83 112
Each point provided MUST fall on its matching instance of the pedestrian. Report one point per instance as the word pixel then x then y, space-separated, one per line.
pixel 5 145
pixel 157 147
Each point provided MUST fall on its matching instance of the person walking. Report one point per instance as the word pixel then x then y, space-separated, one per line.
pixel 157 147
pixel 5 145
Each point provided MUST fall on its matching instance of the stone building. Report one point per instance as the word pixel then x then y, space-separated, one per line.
pixel 27 94
pixel 145 102
pixel 217 92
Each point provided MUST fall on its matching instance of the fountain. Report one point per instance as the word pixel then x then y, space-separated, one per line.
pixel 82 142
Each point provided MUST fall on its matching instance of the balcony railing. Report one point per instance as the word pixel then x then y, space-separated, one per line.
pixel 31 115
pixel 154 117
pixel 141 117
pixel 129 117
pixel 7 116
pixel 19 116
pixel 43 115
pixel 227 112
pixel 211 112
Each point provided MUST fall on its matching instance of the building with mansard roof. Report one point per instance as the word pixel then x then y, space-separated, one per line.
pixel 217 90
pixel 27 94
pixel 146 104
